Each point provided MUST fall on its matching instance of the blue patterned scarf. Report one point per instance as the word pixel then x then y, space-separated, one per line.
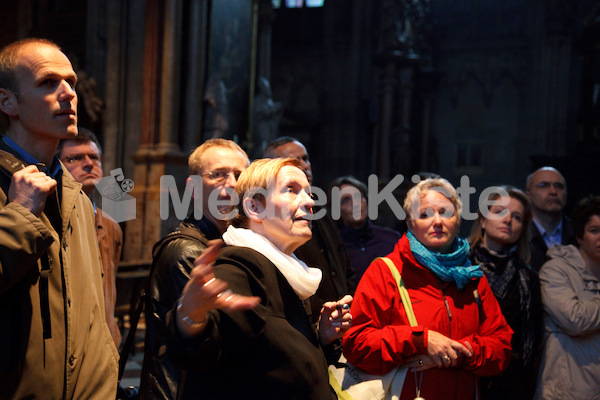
pixel 448 267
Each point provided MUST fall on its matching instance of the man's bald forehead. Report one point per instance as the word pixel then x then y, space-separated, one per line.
pixel 531 178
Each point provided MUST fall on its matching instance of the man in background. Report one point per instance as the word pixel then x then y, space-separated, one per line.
pixel 325 249
pixel 547 192
pixel 82 155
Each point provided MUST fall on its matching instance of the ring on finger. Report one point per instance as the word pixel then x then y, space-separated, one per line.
pixel 446 358
pixel 208 282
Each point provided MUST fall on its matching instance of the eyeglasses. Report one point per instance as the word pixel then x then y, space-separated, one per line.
pixel 219 175
pixel 547 185
pixel 78 158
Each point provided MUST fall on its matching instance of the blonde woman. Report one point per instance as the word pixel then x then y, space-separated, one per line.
pixel 461 333
pixel 499 244
pixel 242 321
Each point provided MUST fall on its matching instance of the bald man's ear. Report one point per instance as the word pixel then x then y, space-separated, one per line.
pixel 195 181
pixel 254 209
pixel 8 102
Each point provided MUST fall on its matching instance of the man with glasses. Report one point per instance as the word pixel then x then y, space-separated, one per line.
pixel 219 163
pixel 82 155
pixel 547 192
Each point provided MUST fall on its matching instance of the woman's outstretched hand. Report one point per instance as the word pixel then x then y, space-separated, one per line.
pixel 204 292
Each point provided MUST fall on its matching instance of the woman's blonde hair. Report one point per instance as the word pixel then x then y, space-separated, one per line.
pixel 257 179
pixel 477 232
pixel 416 193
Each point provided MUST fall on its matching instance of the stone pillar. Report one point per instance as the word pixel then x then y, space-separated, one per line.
pixel 170 76
pixel 265 19
pixel 399 54
pixel 388 83
pixel 158 153
pixel 195 62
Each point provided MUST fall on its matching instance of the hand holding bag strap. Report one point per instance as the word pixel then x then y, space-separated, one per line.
pixel 352 383
pixel 412 320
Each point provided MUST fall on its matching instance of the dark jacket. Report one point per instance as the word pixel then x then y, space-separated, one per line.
pixel 269 352
pixel 326 251
pixel 537 245
pixel 517 382
pixel 366 244
pixel 173 260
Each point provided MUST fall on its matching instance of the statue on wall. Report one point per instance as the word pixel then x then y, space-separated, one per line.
pixel 266 115
pixel 216 104
pixel 404 24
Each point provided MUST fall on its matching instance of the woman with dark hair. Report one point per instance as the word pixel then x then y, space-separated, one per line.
pixel 460 332
pixel 499 244
pixel 570 283
pixel 364 241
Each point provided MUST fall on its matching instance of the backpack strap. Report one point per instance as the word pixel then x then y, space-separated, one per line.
pixel 9 164
pixel 412 320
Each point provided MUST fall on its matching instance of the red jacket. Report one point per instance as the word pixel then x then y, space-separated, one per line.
pixel 381 337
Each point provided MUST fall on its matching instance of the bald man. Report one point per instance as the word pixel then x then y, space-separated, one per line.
pixel 547 192
pixel 325 249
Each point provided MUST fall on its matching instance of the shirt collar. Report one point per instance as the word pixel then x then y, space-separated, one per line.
pixel 55 170
pixel 551 238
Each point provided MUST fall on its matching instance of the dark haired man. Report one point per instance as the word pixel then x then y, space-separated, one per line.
pixel 82 155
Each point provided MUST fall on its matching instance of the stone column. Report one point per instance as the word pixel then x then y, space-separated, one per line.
pixel 158 153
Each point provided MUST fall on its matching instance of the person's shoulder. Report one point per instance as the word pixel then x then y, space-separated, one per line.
pixel 568 235
pixel 243 255
pixel 244 258
pixel 181 243
pixel 107 219
pixel 385 231
pixel 561 259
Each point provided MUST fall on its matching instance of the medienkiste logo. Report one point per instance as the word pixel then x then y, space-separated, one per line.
pixel 116 200
pixel 119 205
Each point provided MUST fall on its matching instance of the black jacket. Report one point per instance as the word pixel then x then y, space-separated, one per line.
pixel 173 259
pixel 269 352
pixel 537 245
pixel 326 251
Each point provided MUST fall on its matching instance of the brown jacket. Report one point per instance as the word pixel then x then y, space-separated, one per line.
pixel 60 348
pixel 110 241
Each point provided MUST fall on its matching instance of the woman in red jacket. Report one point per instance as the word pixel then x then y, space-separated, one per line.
pixel 461 332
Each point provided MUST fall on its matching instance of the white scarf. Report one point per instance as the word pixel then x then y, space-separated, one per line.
pixel 302 278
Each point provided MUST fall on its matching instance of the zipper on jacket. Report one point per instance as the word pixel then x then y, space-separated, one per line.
pixel 447 307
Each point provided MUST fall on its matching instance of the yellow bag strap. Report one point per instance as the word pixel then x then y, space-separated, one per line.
pixel 412 320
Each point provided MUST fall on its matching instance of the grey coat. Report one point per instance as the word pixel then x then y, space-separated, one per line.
pixel 570 368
